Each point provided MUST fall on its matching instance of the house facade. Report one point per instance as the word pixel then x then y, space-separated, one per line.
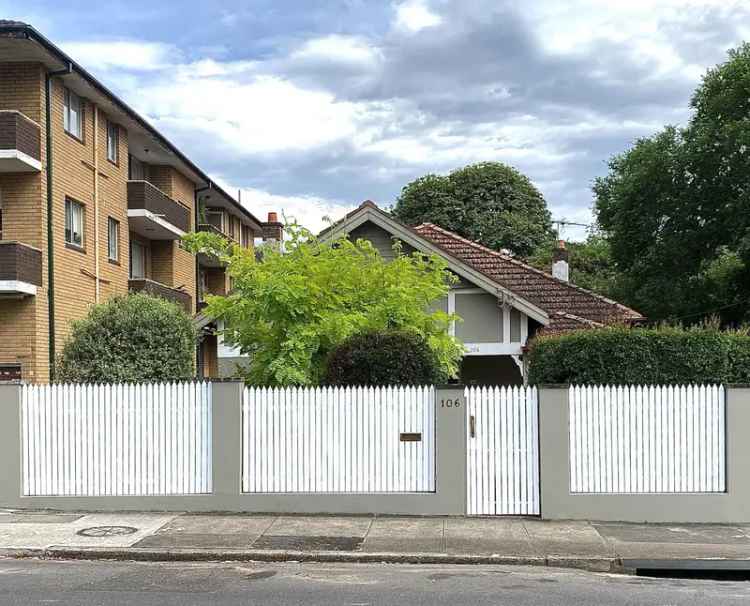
pixel 502 302
pixel 93 203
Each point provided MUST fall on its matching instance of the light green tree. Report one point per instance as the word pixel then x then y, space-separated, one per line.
pixel 288 311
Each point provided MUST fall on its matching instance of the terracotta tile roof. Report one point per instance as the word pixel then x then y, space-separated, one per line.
pixel 568 306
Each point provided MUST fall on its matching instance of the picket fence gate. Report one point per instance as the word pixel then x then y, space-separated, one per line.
pixel 116 439
pixel 503 451
pixel 338 440
pixel 647 439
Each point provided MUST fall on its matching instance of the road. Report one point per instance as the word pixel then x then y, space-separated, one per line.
pixel 222 584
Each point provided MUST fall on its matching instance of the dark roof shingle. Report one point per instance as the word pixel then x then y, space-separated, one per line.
pixel 568 306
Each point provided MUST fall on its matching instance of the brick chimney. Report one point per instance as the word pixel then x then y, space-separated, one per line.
pixel 560 267
pixel 273 229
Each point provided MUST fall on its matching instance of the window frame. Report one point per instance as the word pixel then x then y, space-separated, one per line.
pixel 68 96
pixel 113 137
pixel 144 249
pixel 70 242
pixel 112 222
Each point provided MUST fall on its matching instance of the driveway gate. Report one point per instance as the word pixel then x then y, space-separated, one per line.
pixel 503 451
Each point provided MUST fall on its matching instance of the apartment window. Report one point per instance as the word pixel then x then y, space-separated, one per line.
pixel 113 142
pixel 113 239
pixel 74 214
pixel 73 114
pixel 137 261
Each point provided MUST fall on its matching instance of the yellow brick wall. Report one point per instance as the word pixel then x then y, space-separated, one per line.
pixel 75 286
pixel 23 322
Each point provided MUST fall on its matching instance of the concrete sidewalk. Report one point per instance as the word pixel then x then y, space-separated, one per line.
pixel 585 545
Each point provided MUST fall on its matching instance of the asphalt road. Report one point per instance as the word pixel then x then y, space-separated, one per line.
pixel 221 584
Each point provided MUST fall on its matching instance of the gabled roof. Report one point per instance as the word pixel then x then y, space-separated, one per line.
pixel 564 305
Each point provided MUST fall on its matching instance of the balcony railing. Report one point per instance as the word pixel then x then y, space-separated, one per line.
pixel 20 143
pixel 157 289
pixel 153 214
pixel 20 269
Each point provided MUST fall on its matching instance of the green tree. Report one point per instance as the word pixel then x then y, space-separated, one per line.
pixel 288 311
pixel 591 264
pixel 489 202
pixel 129 338
pixel 676 206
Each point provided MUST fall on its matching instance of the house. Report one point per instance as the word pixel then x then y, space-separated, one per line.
pixel 502 301
pixel 93 203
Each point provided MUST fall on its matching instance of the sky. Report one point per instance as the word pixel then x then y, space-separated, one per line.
pixel 311 106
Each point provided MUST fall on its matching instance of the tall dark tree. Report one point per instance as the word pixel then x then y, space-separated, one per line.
pixel 676 206
pixel 490 203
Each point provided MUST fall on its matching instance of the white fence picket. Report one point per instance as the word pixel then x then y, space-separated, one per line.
pixel 639 439
pixel 503 451
pixel 338 440
pixel 112 440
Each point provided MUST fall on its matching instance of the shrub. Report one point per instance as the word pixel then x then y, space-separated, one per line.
pixel 394 357
pixel 641 355
pixel 130 338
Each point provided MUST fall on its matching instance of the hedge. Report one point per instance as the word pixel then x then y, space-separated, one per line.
pixel 130 338
pixel 622 355
pixel 391 357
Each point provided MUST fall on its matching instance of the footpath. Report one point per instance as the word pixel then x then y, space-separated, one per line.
pixel 604 547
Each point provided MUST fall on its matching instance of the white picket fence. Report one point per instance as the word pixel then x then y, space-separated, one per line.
pixel 662 439
pixel 117 439
pixel 338 440
pixel 503 451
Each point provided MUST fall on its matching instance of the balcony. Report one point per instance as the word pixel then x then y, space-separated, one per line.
pixel 20 143
pixel 20 269
pixel 157 289
pixel 209 260
pixel 154 215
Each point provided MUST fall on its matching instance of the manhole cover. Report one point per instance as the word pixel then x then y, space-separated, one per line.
pixel 106 531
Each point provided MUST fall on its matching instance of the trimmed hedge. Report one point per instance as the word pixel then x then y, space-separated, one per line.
pixel 621 355
pixel 130 338
pixel 394 357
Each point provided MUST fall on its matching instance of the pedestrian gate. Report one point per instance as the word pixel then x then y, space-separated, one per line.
pixel 503 451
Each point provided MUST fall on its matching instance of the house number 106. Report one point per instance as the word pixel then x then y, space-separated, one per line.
pixel 450 403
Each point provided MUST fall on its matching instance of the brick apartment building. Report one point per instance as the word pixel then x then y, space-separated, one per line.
pixel 93 202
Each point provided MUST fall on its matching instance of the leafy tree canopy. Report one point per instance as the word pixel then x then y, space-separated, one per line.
pixel 389 357
pixel 676 206
pixel 130 338
pixel 288 311
pixel 490 203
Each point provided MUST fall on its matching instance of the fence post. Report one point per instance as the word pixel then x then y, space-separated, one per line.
pixel 554 483
pixel 226 437
pixel 10 444
pixel 450 447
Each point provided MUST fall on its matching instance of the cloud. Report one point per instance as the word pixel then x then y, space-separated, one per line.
pixel 414 16
pixel 331 107
pixel 132 55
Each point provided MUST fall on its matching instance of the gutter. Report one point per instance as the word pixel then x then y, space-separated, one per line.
pixel 50 202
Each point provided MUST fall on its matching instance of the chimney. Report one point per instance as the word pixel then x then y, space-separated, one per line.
pixel 273 229
pixel 560 267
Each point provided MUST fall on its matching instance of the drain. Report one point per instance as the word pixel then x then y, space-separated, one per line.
pixel 106 531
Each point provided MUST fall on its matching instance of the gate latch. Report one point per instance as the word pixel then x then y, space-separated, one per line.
pixel 473 426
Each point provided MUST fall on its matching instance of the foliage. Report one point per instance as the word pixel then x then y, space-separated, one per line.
pixel 676 206
pixel 289 310
pixel 591 264
pixel 490 203
pixel 129 338
pixel 620 355
pixel 391 357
